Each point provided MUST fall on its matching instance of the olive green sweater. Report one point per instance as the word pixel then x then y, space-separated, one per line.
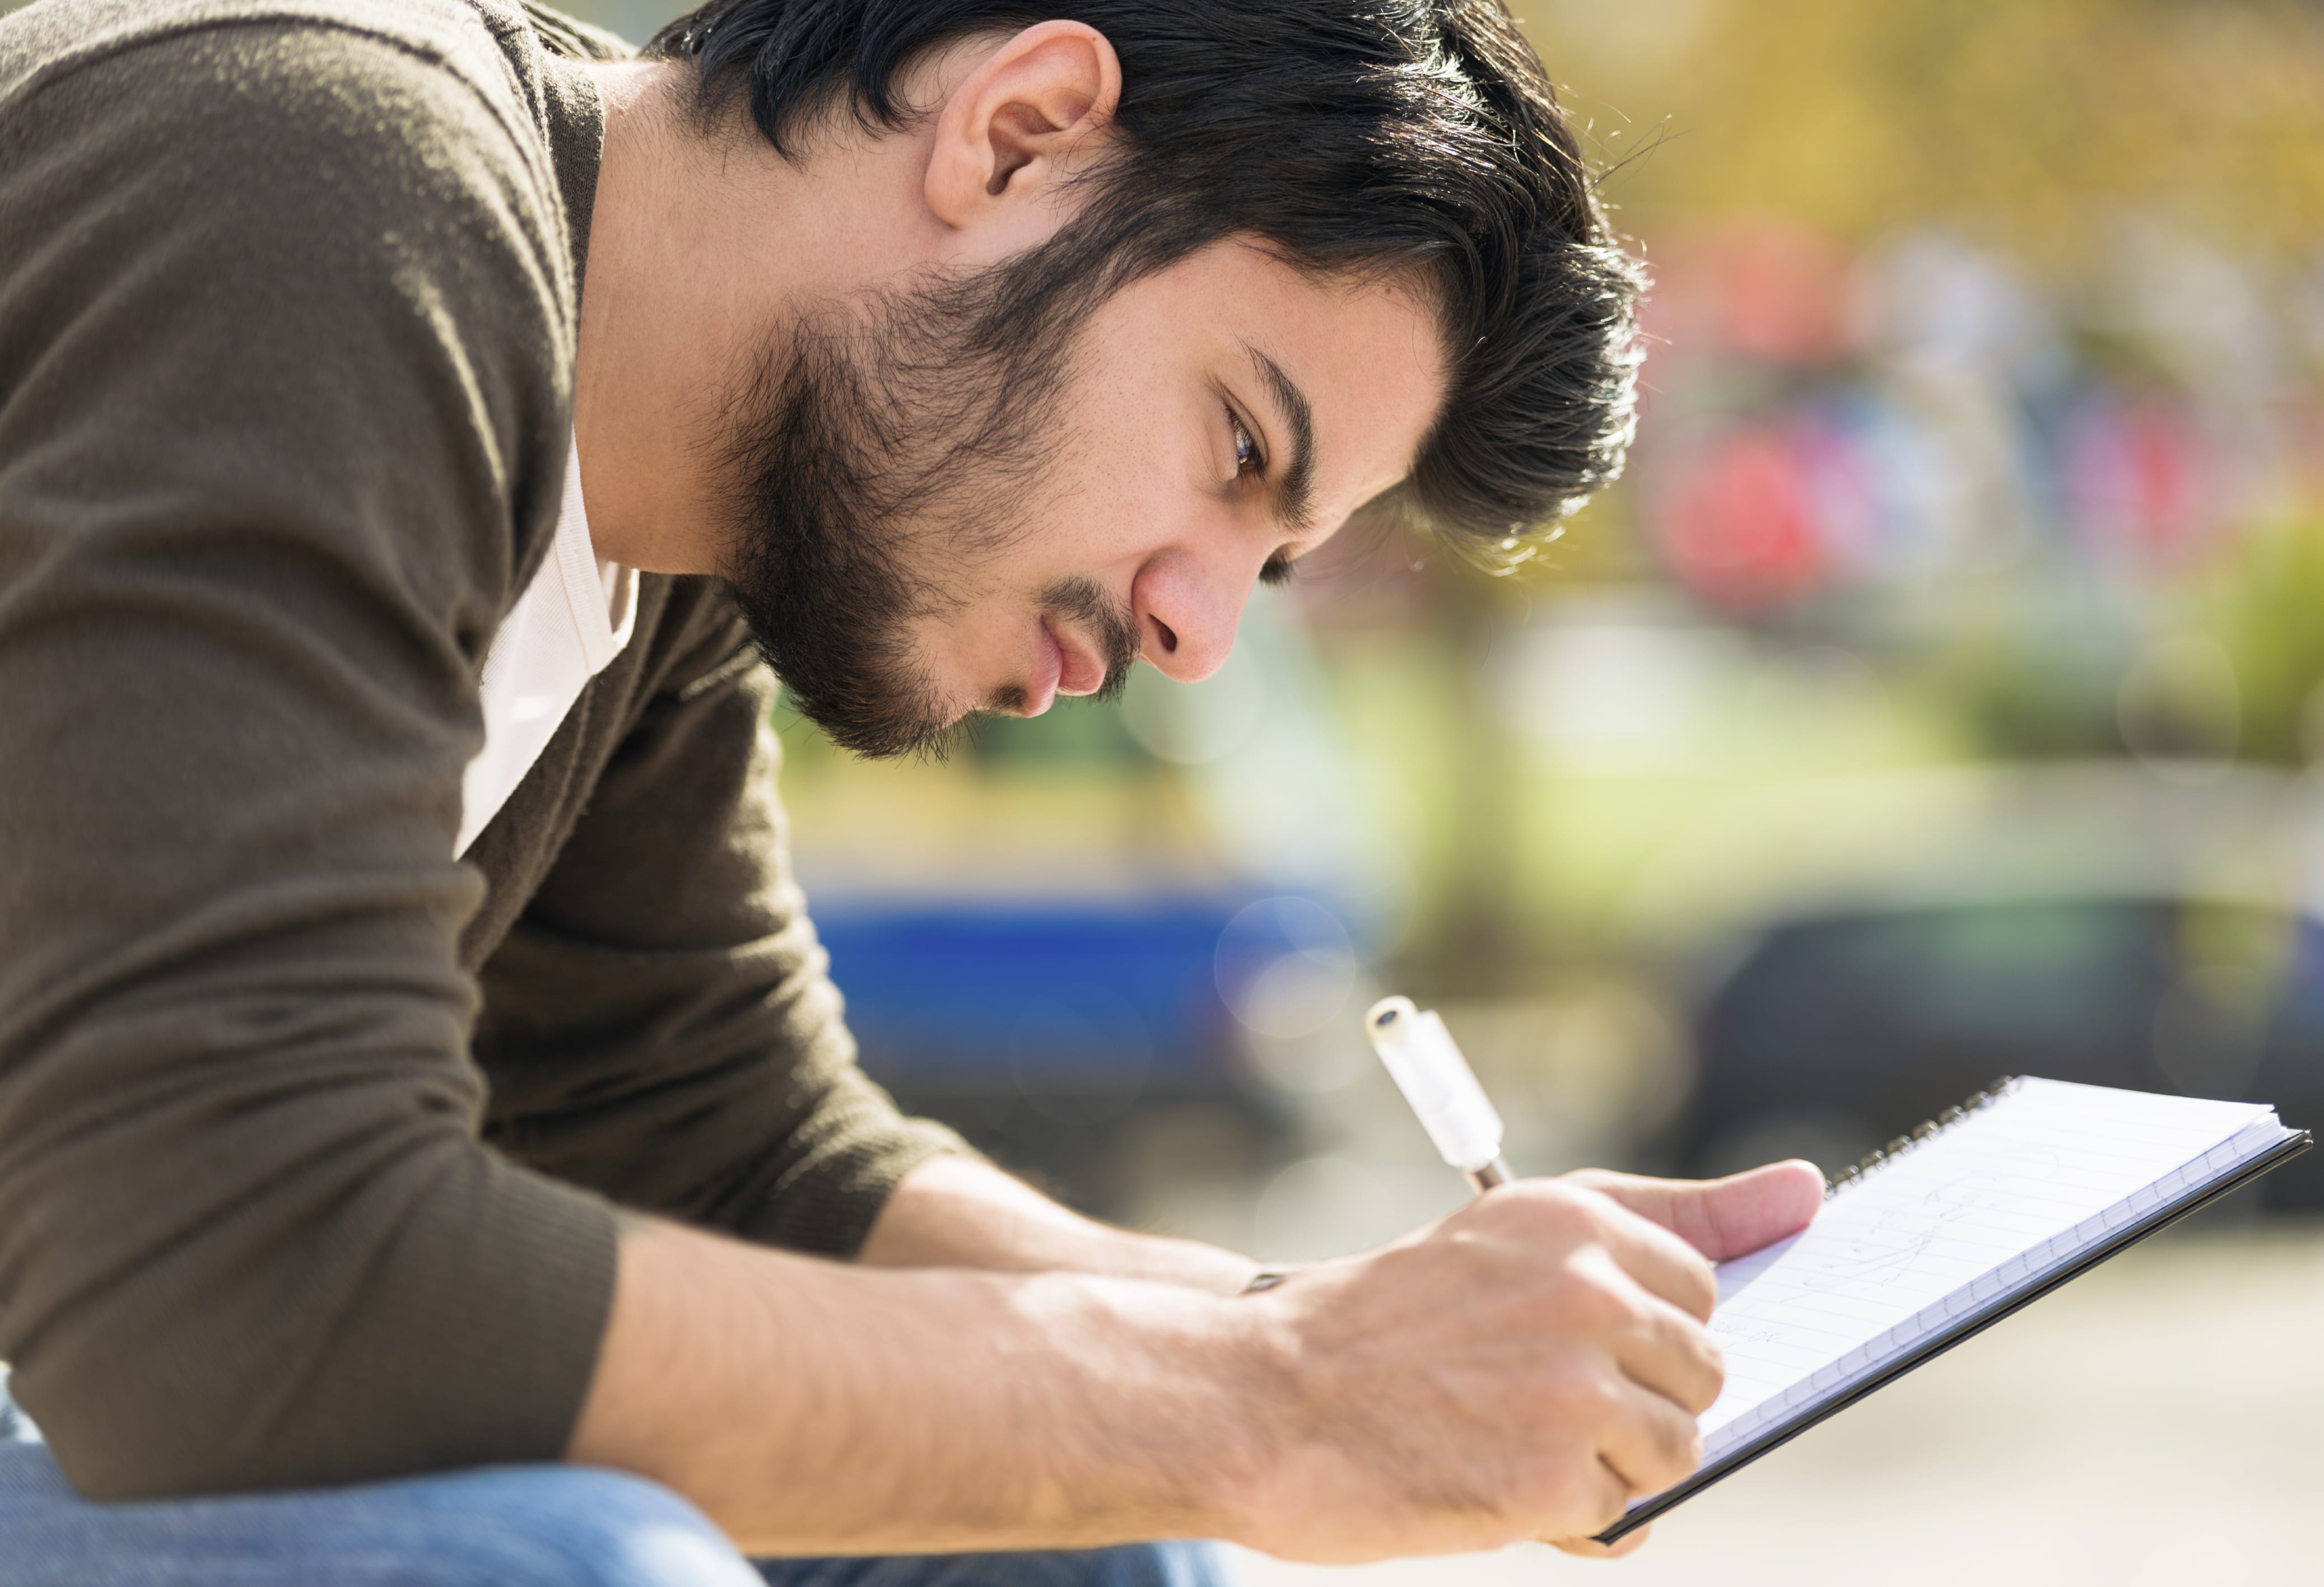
pixel 309 1133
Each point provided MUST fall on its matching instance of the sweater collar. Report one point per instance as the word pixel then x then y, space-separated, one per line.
pixel 573 113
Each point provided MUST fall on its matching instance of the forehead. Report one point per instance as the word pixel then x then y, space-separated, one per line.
pixel 1366 352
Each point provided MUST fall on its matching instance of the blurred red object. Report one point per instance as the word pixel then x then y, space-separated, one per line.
pixel 1740 524
pixel 2138 477
pixel 1768 290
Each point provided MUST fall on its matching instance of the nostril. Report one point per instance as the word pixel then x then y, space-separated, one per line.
pixel 1169 639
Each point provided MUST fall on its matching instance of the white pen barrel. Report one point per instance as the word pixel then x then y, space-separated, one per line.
pixel 1437 1083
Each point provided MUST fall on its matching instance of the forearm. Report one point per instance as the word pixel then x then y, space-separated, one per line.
pixel 814 1407
pixel 1523 1369
pixel 955 1212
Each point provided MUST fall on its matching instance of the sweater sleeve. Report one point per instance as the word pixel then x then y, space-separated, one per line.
pixel 283 342
pixel 660 1023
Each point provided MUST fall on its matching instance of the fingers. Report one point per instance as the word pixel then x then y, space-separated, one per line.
pixel 1649 1444
pixel 1662 1264
pixel 1613 1499
pixel 1669 1353
pixel 1721 1218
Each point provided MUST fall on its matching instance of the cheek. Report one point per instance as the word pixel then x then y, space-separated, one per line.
pixel 1113 502
pixel 1144 425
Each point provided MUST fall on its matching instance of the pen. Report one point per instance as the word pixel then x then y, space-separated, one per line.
pixel 1440 1086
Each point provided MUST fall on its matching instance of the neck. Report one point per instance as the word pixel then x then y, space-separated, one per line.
pixel 702 249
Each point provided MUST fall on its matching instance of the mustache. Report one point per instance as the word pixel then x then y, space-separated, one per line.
pixel 1090 606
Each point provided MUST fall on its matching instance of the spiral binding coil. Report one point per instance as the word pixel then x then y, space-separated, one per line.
pixel 1929 1130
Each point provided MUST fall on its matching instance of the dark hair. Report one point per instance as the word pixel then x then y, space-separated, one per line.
pixel 1357 136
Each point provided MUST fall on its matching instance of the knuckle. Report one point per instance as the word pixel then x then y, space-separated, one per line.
pixel 1677 1454
pixel 1657 1444
pixel 1655 1475
pixel 1597 1182
pixel 1560 1208
pixel 1702 1288
pixel 1593 1299
pixel 1583 1401
pixel 1714 1378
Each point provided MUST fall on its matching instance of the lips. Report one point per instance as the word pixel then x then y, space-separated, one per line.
pixel 1080 671
pixel 1048 672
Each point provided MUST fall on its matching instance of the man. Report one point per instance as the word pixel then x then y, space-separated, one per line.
pixel 416 1067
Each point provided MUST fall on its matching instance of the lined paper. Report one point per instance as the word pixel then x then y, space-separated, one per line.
pixel 1956 1225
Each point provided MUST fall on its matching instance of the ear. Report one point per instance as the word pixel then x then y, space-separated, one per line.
pixel 1004 136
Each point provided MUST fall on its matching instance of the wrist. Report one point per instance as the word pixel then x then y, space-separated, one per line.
pixel 1267 1278
pixel 1210 1268
pixel 1181 1404
pixel 1252 1360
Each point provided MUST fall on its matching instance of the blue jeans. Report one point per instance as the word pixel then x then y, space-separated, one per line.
pixel 545 1526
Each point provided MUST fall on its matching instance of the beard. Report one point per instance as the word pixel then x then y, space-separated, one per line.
pixel 874 459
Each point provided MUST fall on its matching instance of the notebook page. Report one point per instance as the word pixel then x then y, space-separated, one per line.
pixel 1931 1231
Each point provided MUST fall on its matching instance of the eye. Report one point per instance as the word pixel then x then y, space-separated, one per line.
pixel 1249 458
pixel 1279 570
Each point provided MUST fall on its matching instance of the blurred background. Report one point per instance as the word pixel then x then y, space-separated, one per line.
pixel 1941 696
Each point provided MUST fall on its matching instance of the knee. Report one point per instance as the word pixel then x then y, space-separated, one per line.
pixel 581 1527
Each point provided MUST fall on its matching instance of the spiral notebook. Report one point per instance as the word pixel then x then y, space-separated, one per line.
pixel 1946 1231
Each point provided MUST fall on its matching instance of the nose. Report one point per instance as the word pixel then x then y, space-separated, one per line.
pixel 1188 613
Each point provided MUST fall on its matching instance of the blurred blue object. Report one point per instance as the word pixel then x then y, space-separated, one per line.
pixel 1057 1034
pixel 1071 995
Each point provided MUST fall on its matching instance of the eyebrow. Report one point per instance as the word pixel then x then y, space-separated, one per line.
pixel 1295 491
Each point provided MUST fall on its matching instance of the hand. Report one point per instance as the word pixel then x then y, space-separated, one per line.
pixel 1721 1218
pixel 1523 1369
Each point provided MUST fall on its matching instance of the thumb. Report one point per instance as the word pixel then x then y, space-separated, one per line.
pixel 1721 1218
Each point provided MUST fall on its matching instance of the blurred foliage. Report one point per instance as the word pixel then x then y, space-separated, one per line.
pixel 2008 117
pixel 2068 691
pixel 2266 606
pixel 2017 699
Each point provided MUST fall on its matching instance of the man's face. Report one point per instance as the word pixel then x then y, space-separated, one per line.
pixel 925 525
